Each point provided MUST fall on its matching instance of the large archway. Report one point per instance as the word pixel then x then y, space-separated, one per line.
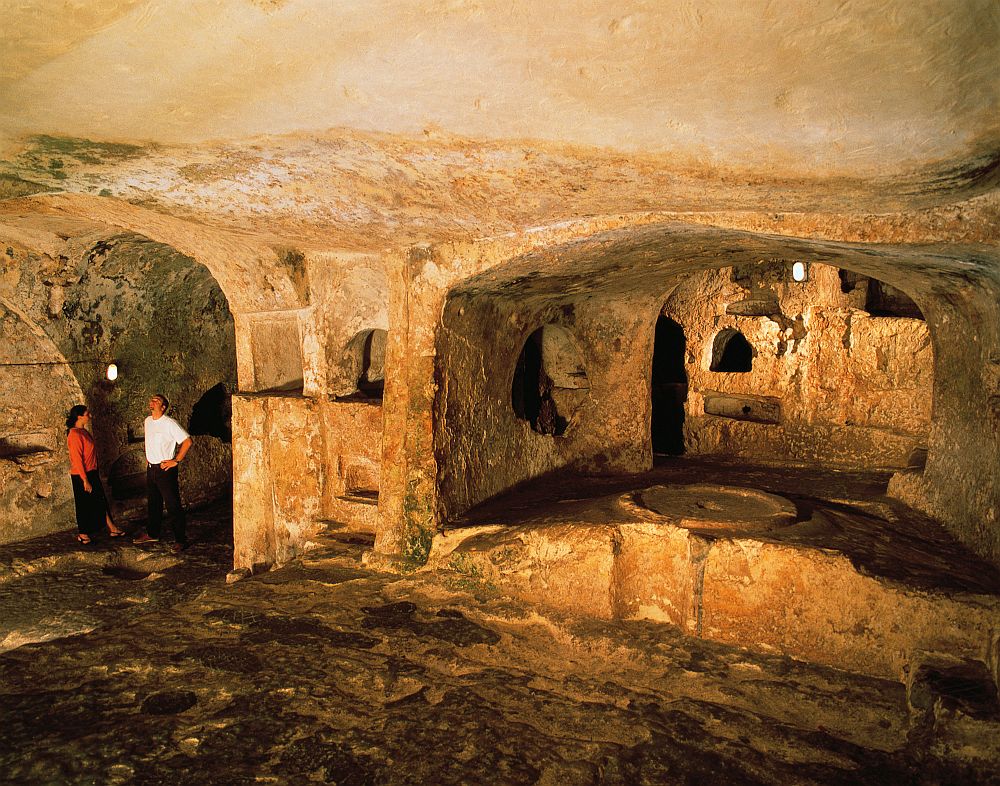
pixel 163 320
pixel 601 285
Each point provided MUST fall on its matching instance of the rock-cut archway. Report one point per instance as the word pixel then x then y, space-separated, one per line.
pixel 162 319
pixel 611 289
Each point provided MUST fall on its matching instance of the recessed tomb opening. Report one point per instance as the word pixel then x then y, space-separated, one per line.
pixel 731 352
pixel 877 297
pixel 366 354
pixel 550 381
pixel 212 414
pixel 884 300
pixel 668 387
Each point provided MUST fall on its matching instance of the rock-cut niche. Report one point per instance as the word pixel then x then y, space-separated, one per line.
pixel 877 297
pixel 731 352
pixel 365 355
pixel 550 381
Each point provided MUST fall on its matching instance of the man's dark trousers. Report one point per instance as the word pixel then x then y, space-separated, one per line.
pixel 162 487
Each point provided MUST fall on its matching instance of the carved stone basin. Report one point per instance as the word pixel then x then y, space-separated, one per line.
pixel 707 506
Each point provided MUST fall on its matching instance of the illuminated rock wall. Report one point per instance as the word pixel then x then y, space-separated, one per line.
pixel 166 324
pixel 844 386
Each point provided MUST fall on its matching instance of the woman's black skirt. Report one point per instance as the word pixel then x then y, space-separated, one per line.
pixel 90 508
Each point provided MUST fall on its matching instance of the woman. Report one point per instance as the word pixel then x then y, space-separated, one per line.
pixel 91 504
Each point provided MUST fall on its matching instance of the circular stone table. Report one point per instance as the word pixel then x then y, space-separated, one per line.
pixel 706 506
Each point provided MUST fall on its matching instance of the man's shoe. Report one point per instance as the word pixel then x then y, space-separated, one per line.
pixel 145 537
pixel 177 548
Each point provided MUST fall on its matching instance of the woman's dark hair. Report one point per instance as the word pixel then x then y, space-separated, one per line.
pixel 75 412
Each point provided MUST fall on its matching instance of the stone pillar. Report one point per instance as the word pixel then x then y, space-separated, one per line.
pixel 407 498
pixel 279 472
pixel 253 508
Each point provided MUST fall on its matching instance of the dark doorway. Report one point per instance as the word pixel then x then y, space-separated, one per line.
pixel 213 414
pixel 669 387
pixel 525 393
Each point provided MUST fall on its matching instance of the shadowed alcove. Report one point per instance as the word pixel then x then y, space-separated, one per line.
pixel 731 352
pixel 668 387
pixel 875 416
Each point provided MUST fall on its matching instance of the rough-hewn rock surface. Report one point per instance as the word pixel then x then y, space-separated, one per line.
pixel 161 318
pixel 850 387
pixel 451 236
pixel 148 669
pixel 830 571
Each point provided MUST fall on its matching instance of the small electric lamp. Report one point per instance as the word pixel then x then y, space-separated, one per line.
pixel 112 372
pixel 799 271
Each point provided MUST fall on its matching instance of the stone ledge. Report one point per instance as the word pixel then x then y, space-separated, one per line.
pixel 791 598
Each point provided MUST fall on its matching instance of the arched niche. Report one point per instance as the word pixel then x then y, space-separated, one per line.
pixel 550 381
pixel 731 352
pixel 364 360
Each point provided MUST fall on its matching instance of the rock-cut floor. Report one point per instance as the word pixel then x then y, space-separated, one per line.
pixel 129 665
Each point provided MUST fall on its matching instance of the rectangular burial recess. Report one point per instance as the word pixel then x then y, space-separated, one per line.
pixel 277 353
pixel 757 409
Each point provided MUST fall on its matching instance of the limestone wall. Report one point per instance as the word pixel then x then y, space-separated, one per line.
pixel 961 482
pixel 840 385
pixel 850 388
pixel 164 321
pixel 488 446
pixel 295 457
pixel 35 386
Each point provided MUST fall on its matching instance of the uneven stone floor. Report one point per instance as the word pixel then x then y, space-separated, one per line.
pixel 128 665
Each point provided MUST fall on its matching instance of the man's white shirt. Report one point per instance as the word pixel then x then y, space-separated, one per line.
pixel 163 435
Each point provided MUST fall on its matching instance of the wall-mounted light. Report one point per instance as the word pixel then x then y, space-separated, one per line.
pixel 112 372
pixel 799 271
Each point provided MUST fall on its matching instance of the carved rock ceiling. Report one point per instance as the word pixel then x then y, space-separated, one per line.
pixel 453 117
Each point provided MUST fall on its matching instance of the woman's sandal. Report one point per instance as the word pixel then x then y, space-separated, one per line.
pixel 117 533
pixel 83 539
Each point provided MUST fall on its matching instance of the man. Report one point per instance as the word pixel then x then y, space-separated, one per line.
pixel 166 446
